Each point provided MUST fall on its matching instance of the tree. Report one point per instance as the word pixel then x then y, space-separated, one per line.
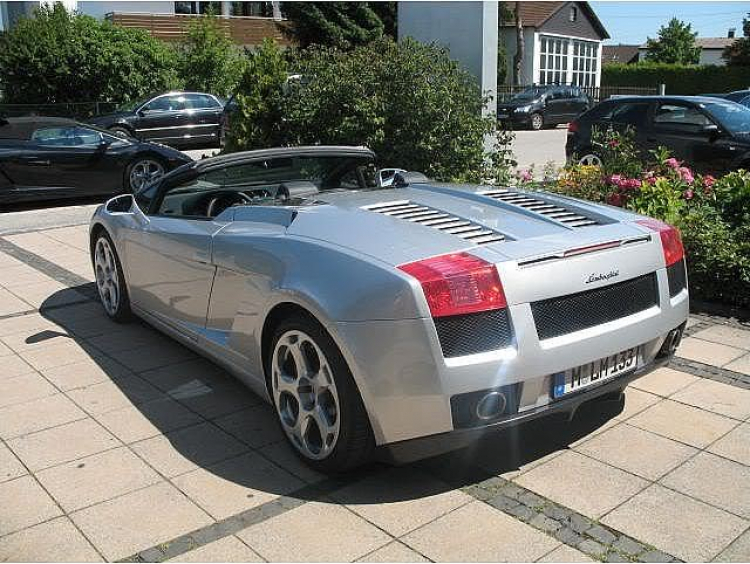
pixel 209 60
pixel 57 56
pixel 410 102
pixel 738 53
pixel 675 44
pixel 338 24
pixel 518 57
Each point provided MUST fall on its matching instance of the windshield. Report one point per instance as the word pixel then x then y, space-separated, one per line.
pixel 734 117
pixel 529 94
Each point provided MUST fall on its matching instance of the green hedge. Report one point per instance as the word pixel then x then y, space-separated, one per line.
pixel 679 79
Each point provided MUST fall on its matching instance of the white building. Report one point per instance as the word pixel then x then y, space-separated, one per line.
pixel 712 49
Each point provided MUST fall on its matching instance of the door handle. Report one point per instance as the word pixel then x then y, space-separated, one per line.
pixel 40 162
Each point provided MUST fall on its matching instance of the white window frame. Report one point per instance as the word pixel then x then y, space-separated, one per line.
pixel 591 59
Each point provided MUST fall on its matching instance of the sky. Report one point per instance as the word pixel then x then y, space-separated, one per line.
pixel 633 22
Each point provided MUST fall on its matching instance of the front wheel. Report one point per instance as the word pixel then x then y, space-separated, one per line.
pixel 590 159
pixel 110 282
pixel 317 402
pixel 537 121
pixel 142 172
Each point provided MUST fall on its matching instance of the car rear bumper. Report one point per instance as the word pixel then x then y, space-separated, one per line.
pixel 404 452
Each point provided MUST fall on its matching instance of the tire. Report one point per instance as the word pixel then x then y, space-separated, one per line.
pixel 536 122
pixel 110 281
pixel 589 158
pixel 121 130
pixel 321 413
pixel 142 171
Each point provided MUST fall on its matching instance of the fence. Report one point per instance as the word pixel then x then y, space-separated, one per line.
pixel 76 110
pixel 597 93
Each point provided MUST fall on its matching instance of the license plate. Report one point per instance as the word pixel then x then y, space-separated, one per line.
pixel 594 372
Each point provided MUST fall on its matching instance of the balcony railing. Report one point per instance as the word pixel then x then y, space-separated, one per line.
pixel 244 30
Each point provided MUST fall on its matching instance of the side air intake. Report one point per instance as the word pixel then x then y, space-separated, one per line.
pixel 440 220
pixel 542 207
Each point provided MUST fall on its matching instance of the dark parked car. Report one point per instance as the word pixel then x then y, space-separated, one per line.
pixel 174 118
pixel 541 106
pixel 44 158
pixel 709 134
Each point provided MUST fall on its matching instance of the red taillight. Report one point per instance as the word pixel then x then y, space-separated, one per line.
pixel 573 126
pixel 458 283
pixel 671 242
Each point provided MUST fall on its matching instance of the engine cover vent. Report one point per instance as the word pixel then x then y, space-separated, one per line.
pixel 553 211
pixel 440 220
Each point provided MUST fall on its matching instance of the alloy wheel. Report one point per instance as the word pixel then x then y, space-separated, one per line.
pixel 107 278
pixel 144 172
pixel 590 160
pixel 536 121
pixel 305 395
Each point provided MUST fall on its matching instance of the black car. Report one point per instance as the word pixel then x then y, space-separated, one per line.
pixel 47 158
pixel 709 134
pixel 173 118
pixel 541 106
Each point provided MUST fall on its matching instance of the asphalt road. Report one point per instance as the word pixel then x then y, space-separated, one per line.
pixel 538 148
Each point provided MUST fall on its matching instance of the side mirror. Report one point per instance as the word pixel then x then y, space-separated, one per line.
pixel 141 112
pixel 712 130
pixel 386 176
pixel 120 204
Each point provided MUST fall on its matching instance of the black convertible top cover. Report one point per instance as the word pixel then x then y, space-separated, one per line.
pixel 21 128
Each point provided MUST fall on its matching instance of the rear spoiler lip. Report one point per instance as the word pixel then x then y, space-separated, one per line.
pixel 587 249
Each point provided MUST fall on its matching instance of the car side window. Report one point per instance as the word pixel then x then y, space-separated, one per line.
pixel 182 200
pixel 681 117
pixel 166 104
pixel 201 101
pixel 631 113
pixel 74 136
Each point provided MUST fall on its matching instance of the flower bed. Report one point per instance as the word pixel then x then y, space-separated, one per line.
pixel 713 214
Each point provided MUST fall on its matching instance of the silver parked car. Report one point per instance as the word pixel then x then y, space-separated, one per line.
pixel 403 320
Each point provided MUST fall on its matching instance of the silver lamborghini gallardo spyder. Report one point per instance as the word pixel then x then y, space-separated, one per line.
pixel 382 313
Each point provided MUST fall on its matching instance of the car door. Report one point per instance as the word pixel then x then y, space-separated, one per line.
pixel 578 102
pixel 70 160
pixel 555 106
pixel 204 116
pixel 163 119
pixel 168 256
pixel 685 130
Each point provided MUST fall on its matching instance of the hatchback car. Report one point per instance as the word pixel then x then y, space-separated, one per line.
pixel 739 96
pixel 173 118
pixel 44 158
pixel 710 134
pixel 541 106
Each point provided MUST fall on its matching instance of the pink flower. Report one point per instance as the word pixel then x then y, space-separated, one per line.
pixel 672 163
pixel 686 174
pixel 613 143
pixel 651 180
pixel 708 181
pixel 615 199
pixel 688 194
pixel 525 175
pixel 615 179
pixel 634 183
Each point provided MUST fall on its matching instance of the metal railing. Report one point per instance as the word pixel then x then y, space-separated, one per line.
pixel 74 110
pixel 596 93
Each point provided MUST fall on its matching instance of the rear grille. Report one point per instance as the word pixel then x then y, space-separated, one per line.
pixel 431 217
pixel 567 314
pixel 677 278
pixel 542 207
pixel 474 333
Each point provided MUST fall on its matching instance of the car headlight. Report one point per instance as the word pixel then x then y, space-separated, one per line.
pixel 522 109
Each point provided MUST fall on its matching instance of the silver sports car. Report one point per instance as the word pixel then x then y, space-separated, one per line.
pixel 402 319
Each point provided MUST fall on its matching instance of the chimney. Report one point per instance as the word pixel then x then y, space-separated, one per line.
pixel 731 32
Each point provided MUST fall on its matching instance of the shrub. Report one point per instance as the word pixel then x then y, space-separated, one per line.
pixel 61 57
pixel 409 102
pixel 679 79
pixel 209 61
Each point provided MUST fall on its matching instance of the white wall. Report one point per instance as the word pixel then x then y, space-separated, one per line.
pixel 467 29
pixel 508 36
pixel 101 9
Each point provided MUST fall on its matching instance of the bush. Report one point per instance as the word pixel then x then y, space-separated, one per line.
pixel 679 79
pixel 409 102
pixel 209 61
pixel 61 57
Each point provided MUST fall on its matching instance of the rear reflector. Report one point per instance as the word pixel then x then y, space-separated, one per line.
pixel 671 242
pixel 457 284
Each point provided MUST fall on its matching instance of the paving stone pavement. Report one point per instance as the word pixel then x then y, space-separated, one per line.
pixel 116 443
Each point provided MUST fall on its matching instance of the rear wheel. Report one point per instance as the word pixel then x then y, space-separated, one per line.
pixel 317 402
pixel 110 282
pixel 590 159
pixel 537 121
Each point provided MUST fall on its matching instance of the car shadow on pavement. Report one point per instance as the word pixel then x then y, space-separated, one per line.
pixel 192 416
